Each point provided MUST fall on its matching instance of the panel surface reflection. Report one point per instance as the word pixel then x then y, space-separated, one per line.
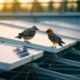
pixel 10 53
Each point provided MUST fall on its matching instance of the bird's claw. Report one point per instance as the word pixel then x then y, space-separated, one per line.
pixel 53 46
pixel 27 41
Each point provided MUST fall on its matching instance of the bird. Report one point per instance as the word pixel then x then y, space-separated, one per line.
pixel 54 38
pixel 28 33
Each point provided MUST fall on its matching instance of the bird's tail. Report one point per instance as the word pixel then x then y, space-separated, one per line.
pixel 19 36
pixel 60 44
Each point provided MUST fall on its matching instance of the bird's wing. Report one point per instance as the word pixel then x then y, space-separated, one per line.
pixel 54 37
pixel 28 32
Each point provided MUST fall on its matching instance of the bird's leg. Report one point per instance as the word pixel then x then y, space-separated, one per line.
pixel 27 41
pixel 24 40
pixel 55 45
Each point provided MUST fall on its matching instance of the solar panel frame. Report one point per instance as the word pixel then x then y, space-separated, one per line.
pixel 34 54
pixel 68 44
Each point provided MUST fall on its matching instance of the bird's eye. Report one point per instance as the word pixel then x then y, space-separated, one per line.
pixel 48 31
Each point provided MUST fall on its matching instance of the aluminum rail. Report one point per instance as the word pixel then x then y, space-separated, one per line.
pixel 65 61
pixel 36 14
pixel 52 73
pixel 74 52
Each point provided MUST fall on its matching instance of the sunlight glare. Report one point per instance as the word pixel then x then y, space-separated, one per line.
pixel 1 1
pixel 69 5
pixel 26 6
pixel 43 0
pixel 72 0
pixel 9 6
pixel 1 6
pixel 56 5
pixel 75 5
pixel 23 1
pixel 45 6
pixel 57 0
pixel 9 1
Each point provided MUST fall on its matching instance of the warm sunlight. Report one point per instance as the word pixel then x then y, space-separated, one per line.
pixel 43 0
pixel 1 6
pixel 75 5
pixel 69 5
pixel 57 0
pixel 1 1
pixel 9 1
pixel 26 6
pixel 72 0
pixel 23 1
pixel 45 6
pixel 56 5
pixel 9 6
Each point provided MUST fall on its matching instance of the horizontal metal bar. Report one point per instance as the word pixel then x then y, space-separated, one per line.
pixel 74 52
pixel 65 61
pixel 52 73
pixel 31 45
pixel 62 69
pixel 41 14
pixel 10 74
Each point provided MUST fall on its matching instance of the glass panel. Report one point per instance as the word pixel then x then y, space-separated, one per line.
pixel 13 53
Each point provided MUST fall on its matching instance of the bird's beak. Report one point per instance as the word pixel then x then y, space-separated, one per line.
pixel 37 29
pixel 45 31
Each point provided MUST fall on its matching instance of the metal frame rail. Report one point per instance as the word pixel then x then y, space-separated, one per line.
pixel 31 45
pixel 52 73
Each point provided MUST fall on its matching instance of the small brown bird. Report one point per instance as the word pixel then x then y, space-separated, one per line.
pixel 54 38
pixel 28 33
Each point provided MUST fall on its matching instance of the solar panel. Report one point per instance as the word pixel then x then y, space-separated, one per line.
pixel 63 29
pixel 12 56
pixel 40 40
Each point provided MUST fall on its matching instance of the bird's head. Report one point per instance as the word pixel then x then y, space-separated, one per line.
pixel 34 27
pixel 49 31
